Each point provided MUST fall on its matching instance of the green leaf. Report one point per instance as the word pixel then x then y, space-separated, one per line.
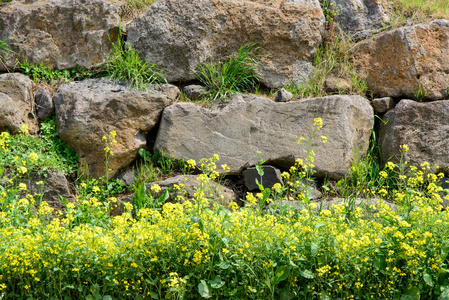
pixel 164 197
pixel 224 265
pixel 203 289
pixel 216 283
pixel 154 295
pixel 444 293
pixel 428 279
pixel 307 274
pixel 412 293
pixel 281 274
pixel 314 248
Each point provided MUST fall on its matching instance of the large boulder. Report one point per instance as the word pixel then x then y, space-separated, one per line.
pixel 249 124
pixel 400 62
pixel 423 127
pixel 58 33
pixel 359 17
pixel 17 103
pixel 88 110
pixel 178 35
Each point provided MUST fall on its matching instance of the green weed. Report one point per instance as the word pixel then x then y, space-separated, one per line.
pixel 420 94
pixel 43 73
pixel 124 64
pixel 28 154
pixel 133 8
pixel 236 74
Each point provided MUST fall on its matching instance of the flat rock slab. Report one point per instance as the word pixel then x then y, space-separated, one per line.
pixel 58 33
pixel 400 61
pixel 88 110
pixel 423 127
pixel 249 124
pixel 178 35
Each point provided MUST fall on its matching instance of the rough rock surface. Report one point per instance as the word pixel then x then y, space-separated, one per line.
pixel 58 33
pixel 398 61
pixel 215 192
pixel 88 110
pixel 17 103
pixel 423 127
pixel 178 35
pixel 44 104
pixel 194 91
pixel 359 17
pixel 283 96
pixel 382 105
pixel 249 124
pixel 334 85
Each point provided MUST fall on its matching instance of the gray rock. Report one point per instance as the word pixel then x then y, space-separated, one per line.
pixel 270 177
pixel 194 91
pixel 382 105
pixel 44 104
pixel 127 177
pixel 423 127
pixel 214 192
pixel 58 33
pixel 359 17
pixel 88 110
pixel 17 103
pixel 400 62
pixel 179 35
pixel 249 124
pixel 54 185
pixel 283 96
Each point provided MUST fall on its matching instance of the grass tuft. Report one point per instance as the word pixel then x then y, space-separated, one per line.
pixel 236 74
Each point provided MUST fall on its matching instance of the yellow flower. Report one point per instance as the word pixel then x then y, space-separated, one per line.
pixel 323 139
pixel 404 147
pixel 383 174
pixel 390 165
pixel 95 189
pixel 24 129
pixel 33 156
pixel 318 123
pixel 22 170
pixel 277 187
pixel 191 163
pixel 22 186
pixel 156 188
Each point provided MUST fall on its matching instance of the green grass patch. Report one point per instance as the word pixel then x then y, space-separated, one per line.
pixel 123 64
pixel 235 74
pixel 43 73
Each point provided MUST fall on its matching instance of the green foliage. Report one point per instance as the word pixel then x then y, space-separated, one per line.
pixel 53 144
pixel 332 60
pixel 192 251
pixel 124 64
pixel 236 74
pixel 27 154
pixel 43 73
pixel 4 48
pixel 420 94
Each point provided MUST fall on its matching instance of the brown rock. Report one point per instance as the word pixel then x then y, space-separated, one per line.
pixel 17 103
pixel 58 33
pixel 397 62
pixel 88 110
pixel 178 35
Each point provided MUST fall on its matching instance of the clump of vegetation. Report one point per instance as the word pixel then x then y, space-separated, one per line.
pixel 133 8
pixel 197 250
pixel 236 74
pixel 43 73
pixel 26 153
pixel 124 64
pixel 332 60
